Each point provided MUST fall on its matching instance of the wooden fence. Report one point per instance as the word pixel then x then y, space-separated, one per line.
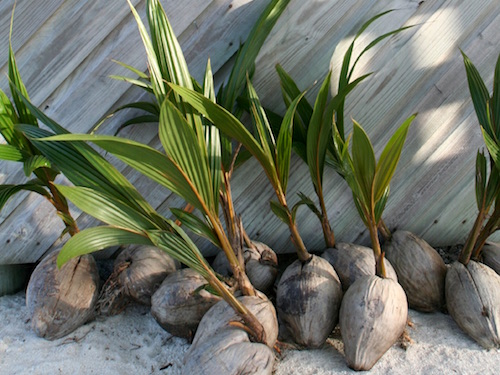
pixel 65 49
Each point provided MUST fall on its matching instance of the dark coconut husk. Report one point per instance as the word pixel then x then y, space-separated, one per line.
pixel 224 349
pixel 473 301
pixel 180 302
pixel 352 261
pixel 137 274
pixel 61 300
pixel 261 265
pixel 308 300
pixel 373 316
pixel 490 255
pixel 421 270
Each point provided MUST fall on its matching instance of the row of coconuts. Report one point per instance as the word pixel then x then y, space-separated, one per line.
pixel 372 311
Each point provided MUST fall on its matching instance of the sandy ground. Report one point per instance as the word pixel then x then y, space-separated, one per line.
pixel 133 343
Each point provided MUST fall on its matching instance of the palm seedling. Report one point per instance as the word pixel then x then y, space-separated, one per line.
pixel 167 64
pixel 368 335
pixel 47 285
pixel 473 289
pixel 313 142
pixel 309 292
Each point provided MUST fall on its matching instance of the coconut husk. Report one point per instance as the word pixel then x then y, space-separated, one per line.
pixel 473 301
pixel 217 318
pixel 373 316
pixel 261 265
pixel 180 302
pixel 352 261
pixel 138 272
pixel 308 300
pixel 227 353
pixel 421 270
pixel 224 349
pixel 490 255
pixel 61 300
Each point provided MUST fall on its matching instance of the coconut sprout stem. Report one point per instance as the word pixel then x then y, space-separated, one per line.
pixel 466 253
pixel 328 233
pixel 384 230
pixel 491 226
pixel 377 251
pixel 61 205
pixel 255 328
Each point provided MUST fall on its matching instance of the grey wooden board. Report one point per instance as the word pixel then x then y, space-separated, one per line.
pixel 64 51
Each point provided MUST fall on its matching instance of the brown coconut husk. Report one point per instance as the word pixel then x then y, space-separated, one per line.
pixel 223 348
pixel 61 300
pixel 138 272
pixel 490 255
pixel 308 300
pixel 373 316
pixel 352 261
pixel 181 301
pixel 261 265
pixel 473 301
pixel 421 270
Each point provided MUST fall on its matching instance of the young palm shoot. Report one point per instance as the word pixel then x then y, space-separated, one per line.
pixel 47 284
pixel 309 292
pixel 374 310
pixel 167 65
pixel 472 288
pixel 312 139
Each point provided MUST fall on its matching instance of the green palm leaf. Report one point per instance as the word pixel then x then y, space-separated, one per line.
pixel 7 191
pixel 11 153
pixel 363 159
pixel 180 143
pixel 107 209
pixel 389 159
pixel 98 238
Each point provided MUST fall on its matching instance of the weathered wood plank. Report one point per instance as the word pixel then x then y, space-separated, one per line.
pixel 418 70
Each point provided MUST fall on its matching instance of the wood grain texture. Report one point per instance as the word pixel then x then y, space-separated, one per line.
pixel 65 49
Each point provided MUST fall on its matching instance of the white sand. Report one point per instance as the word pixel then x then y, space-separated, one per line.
pixel 133 343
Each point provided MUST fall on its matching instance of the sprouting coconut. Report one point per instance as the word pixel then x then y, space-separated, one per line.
pixel 372 318
pixel 473 300
pixel 138 272
pixel 61 300
pixel 374 309
pixel 181 301
pixel 351 261
pixel 221 346
pixel 421 270
pixel 261 265
pixel 274 156
pixel 473 289
pixel 308 289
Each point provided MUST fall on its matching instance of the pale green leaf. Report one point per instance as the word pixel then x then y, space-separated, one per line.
pixel 363 159
pixel 248 53
pixel 98 238
pixel 34 162
pixel 11 153
pixel 389 159
pixel 284 144
pixel 196 225
pixel 181 145
pixel 107 209
pixel 280 212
